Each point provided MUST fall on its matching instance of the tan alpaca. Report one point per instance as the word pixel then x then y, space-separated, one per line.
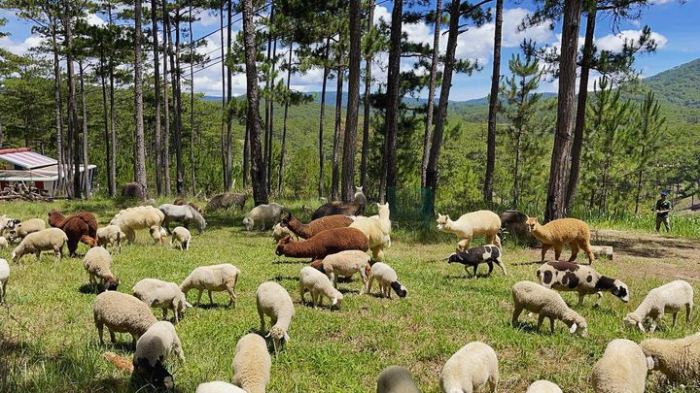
pixel 481 222
pixel 556 233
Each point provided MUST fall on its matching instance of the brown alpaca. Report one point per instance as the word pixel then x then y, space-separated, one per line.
pixel 327 242
pixel 331 208
pixel 316 226
pixel 79 227
pixel 556 233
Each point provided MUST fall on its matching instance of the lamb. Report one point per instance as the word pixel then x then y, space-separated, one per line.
pixel 387 278
pixel 158 234
pixel 24 228
pixel 140 217
pixel 251 364
pixel 274 301
pixel 166 295
pixel 346 263
pixel 327 242
pixel 556 233
pixel 678 360
pixel 4 277
pixel 360 199
pixel 98 263
pixel 121 313
pixel 110 235
pixel 263 216
pixel 306 231
pixel 543 386
pixel 670 297
pixel 152 350
pixel 217 278
pixel 472 368
pixel 79 227
pixel 331 208
pixel 44 240
pixel 548 304
pixel 218 387
pixel 481 222
pixel 623 368
pixel 226 200
pixel 489 254
pixel 279 232
pixel 569 276
pixel 184 214
pixel 315 282
pixel 395 379
pixel 181 238
pixel 3 243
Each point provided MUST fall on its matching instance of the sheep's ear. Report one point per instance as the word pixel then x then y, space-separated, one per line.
pixel 651 363
pixel 573 328
pixel 268 334
pixel 286 337
pixel 640 326
pixel 188 305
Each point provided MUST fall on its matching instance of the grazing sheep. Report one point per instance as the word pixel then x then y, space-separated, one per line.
pixel 331 208
pixel 4 277
pixel 678 360
pixel 488 254
pixel 140 217
pixel 3 243
pixel 218 387
pixel 110 235
pixel 481 222
pixel 152 350
pixel 670 297
pixel 387 279
pixel 279 232
pixel 548 304
pixel 251 364
pixel 472 368
pixel 52 239
pixel 158 234
pixel 395 379
pixel 24 228
pixel 121 313
pixel 133 190
pixel 327 242
pixel 360 199
pixel 216 278
pixel 556 233
pixel 79 227
pixel 315 282
pixel 306 231
pixel 7 223
pixel 98 263
pixel 623 368
pixel 263 217
pixel 274 301
pixel 226 200
pixel 569 276
pixel 184 214
pixel 346 263
pixel 163 294
pixel 543 386
pixel 181 238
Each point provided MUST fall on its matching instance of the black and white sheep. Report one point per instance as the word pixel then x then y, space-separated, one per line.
pixel 569 276
pixel 152 350
pixel 473 257
pixel 387 278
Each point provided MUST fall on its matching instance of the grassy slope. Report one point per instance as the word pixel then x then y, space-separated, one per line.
pixel 48 341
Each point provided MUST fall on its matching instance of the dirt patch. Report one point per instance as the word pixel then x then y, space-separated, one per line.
pixel 647 245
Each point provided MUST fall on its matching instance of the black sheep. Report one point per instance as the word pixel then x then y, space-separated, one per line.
pixel 488 254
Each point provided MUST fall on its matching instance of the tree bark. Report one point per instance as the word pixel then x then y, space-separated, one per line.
pixel 268 107
pixel 177 104
pixel 193 164
pixel 156 98
pixel 60 185
pixel 493 106
pixel 73 134
pixel 561 152
pixel 283 149
pixel 86 173
pixel 350 138
pixel 167 48
pixel 140 159
pixel 270 125
pixel 321 157
pixel 224 113
pixel 365 101
pixel 113 120
pixel 229 97
pixel 105 109
pixel 427 140
pixel 335 168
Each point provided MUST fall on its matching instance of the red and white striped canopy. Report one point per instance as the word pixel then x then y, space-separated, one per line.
pixel 24 157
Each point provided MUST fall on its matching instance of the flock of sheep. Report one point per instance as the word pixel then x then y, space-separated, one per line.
pixel 338 243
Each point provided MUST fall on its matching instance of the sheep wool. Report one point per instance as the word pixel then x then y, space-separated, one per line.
pixel 548 304
pixel 274 301
pixel 670 297
pixel 213 278
pixel 569 276
pixel 181 238
pixel 346 264
pixel 623 368
pixel 556 233
pixel 387 279
pixel 184 214
pixel 678 360
pixel 263 217
pixel 478 223
pixel 24 228
pixel 52 239
pixel 218 387
pixel 315 282
pixel 251 364
pixel 306 231
pixel 110 235
pixel 157 344
pixel 140 217
pixel 98 264
pixel 121 313
pixel 327 242
pixel 395 379
pixel 162 294
pixel 4 277
pixel 3 243
pixel 279 232
pixel 474 367
pixel 543 386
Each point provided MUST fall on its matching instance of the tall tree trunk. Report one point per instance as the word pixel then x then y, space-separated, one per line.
pixel 640 174
pixel 156 104
pixel 193 164
pixel 253 116
pixel 493 105
pixel 60 185
pixel 73 134
pixel 561 152
pixel 350 138
pixel 516 170
pixel 365 101
pixel 321 158
pixel 140 159
pixel 177 104
pixel 577 145
pixel 280 176
pixel 268 88
pixel 113 120
pixel 428 138
pixel 105 108
pixel 224 112
pixel 270 125
pixel 86 161
pixel 167 49
pixel 229 97
pixel 335 168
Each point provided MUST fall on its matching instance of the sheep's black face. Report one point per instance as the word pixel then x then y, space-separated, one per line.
pixel 454 258
pixel 620 290
pixel 157 375
pixel 111 285
pixel 399 289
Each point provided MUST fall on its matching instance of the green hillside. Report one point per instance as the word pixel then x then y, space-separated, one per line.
pixel 679 85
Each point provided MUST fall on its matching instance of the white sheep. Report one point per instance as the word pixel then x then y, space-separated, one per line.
pixel 185 214
pixel 98 264
pixel 218 387
pixel 110 235
pixel 274 301
pixel 569 276
pixel 263 217
pixel 181 238
pixel 24 228
pixel 543 386
pixel 346 263
pixel 141 217
pixel 166 295
pixel 678 360
pixel 121 313
pixel 548 304
pixel 280 232
pixel 251 364
pixel 315 282
pixel 3 243
pixel 473 367
pixel 213 278
pixel 4 277
pixel 481 222
pixel 395 379
pixel 152 350
pixel 670 297
pixel 52 239
pixel 623 368
pixel 387 279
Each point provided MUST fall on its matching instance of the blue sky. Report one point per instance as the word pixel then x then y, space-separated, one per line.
pixel 675 25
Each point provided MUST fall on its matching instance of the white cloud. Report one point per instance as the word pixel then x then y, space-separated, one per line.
pixel 381 12
pixel 20 48
pixel 209 18
pixel 615 42
pixel 94 20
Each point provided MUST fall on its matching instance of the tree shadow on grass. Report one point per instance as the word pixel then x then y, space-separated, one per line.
pixel 280 278
pixel 290 262
pixel 89 289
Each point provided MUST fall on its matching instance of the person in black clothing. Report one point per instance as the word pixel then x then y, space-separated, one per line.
pixel 662 210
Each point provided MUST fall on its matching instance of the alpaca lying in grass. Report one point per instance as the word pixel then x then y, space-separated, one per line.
pixel 481 222
pixel 556 233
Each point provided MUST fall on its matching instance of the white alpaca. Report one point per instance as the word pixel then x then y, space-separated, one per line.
pixel 481 222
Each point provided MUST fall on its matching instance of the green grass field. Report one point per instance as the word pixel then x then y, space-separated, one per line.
pixel 48 342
